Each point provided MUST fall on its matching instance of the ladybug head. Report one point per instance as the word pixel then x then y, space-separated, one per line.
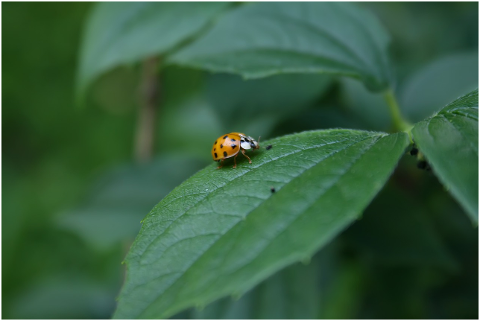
pixel 257 144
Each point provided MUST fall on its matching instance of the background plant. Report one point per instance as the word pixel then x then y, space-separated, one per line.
pixel 417 259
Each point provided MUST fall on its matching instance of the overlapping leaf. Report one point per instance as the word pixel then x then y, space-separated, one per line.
pixel 258 105
pixel 112 213
pixel 437 84
pixel 125 32
pixel 263 39
pixel 449 140
pixel 223 231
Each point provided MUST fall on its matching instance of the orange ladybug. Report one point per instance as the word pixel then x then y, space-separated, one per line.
pixel 229 145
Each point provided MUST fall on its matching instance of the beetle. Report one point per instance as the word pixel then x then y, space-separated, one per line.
pixel 229 145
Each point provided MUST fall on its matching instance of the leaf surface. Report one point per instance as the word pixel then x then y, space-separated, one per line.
pixel 124 32
pixel 223 231
pixel 263 39
pixel 449 140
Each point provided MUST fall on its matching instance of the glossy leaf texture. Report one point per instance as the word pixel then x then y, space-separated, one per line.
pixel 264 39
pixel 449 140
pixel 223 230
pixel 124 32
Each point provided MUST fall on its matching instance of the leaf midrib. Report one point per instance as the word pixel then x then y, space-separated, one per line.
pixel 321 194
pixel 181 273
pixel 231 181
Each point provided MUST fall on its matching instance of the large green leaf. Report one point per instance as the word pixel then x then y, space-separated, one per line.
pixel 263 39
pixel 367 107
pixel 125 32
pixel 449 140
pixel 223 231
pixel 258 105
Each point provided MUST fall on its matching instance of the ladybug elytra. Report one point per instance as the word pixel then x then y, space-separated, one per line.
pixel 230 145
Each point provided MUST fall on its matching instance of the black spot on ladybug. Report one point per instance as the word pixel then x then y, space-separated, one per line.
pixel 214 149
pixel 233 139
pixel 224 154
pixel 268 147
pixel 225 137
pixel 414 151
pixel 221 145
pixel 233 145
pixel 272 189
pixel 216 156
pixel 215 143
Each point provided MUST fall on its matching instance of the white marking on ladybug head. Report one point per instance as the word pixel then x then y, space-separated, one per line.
pixel 245 145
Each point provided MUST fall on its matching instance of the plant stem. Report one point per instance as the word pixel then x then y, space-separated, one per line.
pixel 399 123
pixel 147 112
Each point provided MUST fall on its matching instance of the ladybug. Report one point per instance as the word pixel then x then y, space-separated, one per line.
pixel 229 145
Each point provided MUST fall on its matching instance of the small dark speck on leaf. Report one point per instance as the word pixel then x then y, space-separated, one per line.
pixel 272 189
pixel 268 147
pixel 423 165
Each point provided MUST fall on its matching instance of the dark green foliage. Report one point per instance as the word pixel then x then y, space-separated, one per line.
pixel 449 140
pixel 333 221
pixel 228 228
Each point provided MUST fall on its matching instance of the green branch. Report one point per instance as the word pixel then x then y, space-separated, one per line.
pixel 399 123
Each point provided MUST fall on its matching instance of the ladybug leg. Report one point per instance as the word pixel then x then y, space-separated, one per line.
pixel 235 161
pixel 249 160
pixel 220 166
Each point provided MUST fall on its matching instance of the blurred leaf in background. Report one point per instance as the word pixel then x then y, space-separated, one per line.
pixel 118 202
pixel 73 198
pixel 121 33
pixel 255 106
pixel 291 38
pixel 438 84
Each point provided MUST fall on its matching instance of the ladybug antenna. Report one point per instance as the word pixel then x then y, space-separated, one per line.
pixel 259 138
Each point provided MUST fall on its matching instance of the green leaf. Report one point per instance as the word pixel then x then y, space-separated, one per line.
pixel 368 107
pixel 437 84
pixel 263 39
pixel 449 140
pixel 223 231
pixel 124 32
pixel 262 102
pixel 119 200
